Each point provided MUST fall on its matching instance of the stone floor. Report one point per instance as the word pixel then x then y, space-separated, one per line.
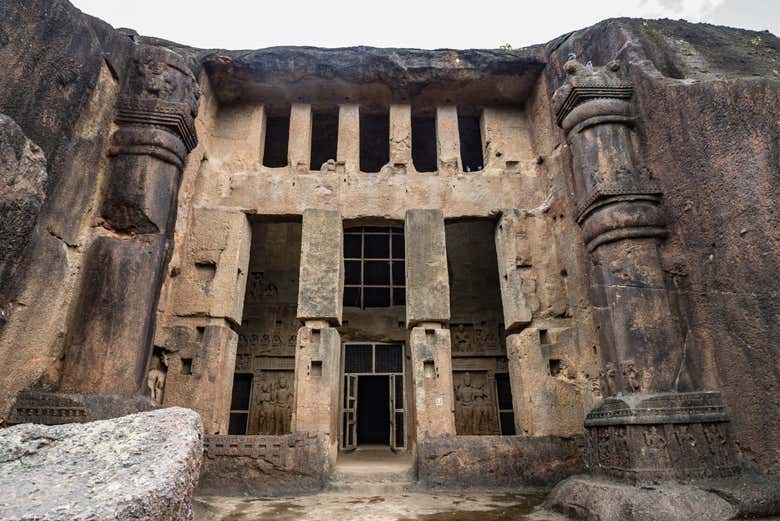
pixel 372 484
pixel 348 506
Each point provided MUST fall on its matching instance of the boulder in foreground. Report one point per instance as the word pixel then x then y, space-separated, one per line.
pixel 141 466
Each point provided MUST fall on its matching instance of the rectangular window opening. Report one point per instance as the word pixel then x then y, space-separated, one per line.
pixel 555 367
pixel 424 143
pixel 470 135
pixel 324 138
pixel 544 337
pixel 277 137
pixel 374 140
pixel 186 366
pixel 239 403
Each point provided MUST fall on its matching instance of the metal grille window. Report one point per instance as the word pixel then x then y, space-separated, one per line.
pixel 374 271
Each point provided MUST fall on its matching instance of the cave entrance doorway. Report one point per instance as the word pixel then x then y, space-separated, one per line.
pixel 373 404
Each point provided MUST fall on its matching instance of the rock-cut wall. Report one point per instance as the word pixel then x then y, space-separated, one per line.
pixel 707 129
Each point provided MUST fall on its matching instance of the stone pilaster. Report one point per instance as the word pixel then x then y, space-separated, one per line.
pixel 110 340
pixel 299 147
pixel 348 148
pixel 448 140
pixel 321 282
pixel 432 377
pixel 514 265
pixel 427 281
pixel 427 309
pixel 317 370
pixel 194 369
pixel 648 426
pixel 401 137
pixel 318 345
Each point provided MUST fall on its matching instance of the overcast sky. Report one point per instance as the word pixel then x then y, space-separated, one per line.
pixel 247 24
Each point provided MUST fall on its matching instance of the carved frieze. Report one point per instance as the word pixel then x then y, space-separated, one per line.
pixel 477 339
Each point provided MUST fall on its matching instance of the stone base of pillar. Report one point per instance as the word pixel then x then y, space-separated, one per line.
pixel 316 393
pixel 649 437
pixel 59 407
pixel 432 378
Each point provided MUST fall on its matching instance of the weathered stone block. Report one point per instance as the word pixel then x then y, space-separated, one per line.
pixel 427 281
pixel 317 370
pixel 432 381
pixel 238 137
pixel 264 465
pixel 448 140
pixel 214 273
pixel 506 136
pixel 497 461
pixel 401 135
pixel 321 282
pixel 514 269
pixel 199 363
pixel 348 147
pixel 299 146
pixel 548 398
pixel 142 466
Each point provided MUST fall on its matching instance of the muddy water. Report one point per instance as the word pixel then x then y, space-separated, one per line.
pixel 344 506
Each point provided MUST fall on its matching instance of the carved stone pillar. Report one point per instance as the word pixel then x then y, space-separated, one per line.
pixel 646 427
pixel 111 337
pixel 318 345
pixel 427 309
pixel 348 147
pixel 401 137
pixel 448 140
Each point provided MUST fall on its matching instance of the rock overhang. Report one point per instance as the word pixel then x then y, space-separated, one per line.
pixel 374 76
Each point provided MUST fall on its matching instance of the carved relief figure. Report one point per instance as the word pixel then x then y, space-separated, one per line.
pixel 155 379
pixel 609 377
pixel 631 377
pixel 272 407
pixel 282 407
pixel 472 404
pixel 461 338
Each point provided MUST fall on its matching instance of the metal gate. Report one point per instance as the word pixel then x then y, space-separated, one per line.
pixel 375 359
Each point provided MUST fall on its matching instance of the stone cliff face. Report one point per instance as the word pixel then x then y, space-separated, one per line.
pixel 706 100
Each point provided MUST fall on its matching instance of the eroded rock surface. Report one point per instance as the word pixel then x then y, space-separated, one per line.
pixel 22 179
pixel 142 466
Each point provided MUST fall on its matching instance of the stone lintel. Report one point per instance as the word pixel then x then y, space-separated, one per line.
pixel 299 146
pixel 432 381
pixel 321 282
pixel 427 282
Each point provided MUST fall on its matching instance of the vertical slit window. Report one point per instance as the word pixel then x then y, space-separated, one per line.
pixel 239 403
pixel 277 138
pixel 424 143
pixel 470 135
pixel 374 140
pixel 324 138
pixel 506 414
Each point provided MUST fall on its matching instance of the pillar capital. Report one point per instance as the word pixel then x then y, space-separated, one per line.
pixel 159 91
